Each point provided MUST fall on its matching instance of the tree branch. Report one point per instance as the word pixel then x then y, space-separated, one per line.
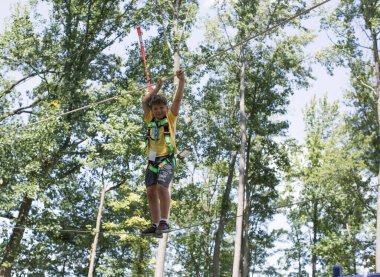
pixel 19 82
pixel 7 215
pixel 115 187
pixel 22 109
pixel 366 85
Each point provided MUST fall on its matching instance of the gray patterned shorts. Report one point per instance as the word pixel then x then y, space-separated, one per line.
pixel 163 177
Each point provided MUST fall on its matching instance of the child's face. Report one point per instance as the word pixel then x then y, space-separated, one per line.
pixel 159 110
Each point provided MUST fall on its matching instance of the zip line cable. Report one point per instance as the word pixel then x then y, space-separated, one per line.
pixel 81 108
pixel 42 229
pixel 202 61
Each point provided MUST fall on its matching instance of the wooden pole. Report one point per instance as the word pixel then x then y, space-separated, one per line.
pixel 97 232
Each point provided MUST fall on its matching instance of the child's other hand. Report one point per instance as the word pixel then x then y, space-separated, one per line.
pixel 180 75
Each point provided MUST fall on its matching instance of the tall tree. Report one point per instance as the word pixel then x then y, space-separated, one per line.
pixel 330 194
pixel 257 67
pixel 356 25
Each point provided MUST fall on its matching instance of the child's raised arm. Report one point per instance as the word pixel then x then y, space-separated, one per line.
pixel 148 97
pixel 179 94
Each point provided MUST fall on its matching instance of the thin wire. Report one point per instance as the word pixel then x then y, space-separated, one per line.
pixel 82 108
pixel 40 229
pixel 202 61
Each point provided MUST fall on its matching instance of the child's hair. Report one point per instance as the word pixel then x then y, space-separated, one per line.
pixel 158 99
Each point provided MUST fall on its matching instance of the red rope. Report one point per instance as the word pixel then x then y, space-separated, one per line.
pixel 143 56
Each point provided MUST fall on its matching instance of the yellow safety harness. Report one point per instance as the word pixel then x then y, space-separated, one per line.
pixel 155 126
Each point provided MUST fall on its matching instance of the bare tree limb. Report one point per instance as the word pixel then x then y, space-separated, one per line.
pixel 115 186
pixel 19 82
pixel 22 109
pixel 366 85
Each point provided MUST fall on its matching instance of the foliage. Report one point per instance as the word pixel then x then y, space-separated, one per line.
pixel 334 208
pixel 57 156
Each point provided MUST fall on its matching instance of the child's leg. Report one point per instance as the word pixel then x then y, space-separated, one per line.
pixel 154 202
pixel 164 198
pixel 164 178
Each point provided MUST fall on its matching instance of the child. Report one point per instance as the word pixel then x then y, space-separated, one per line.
pixel 161 148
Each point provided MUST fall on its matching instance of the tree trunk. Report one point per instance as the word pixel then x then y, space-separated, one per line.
pixel 161 251
pixel 377 65
pixel 240 206
pixel 247 208
pixel 377 71
pixel 223 212
pixel 368 9
pixel 245 240
pixel 315 237
pixel 13 247
pixel 299 263
pixel 97 232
